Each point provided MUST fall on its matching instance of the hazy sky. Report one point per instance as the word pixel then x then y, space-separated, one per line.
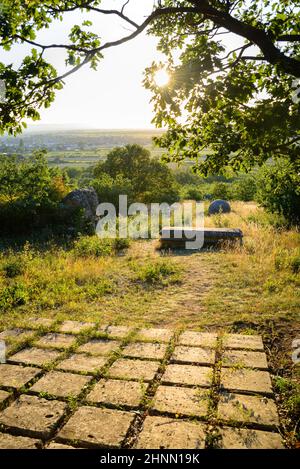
pixel 113 96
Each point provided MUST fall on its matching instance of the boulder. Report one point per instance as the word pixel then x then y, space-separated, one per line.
pixel 86 199
pixel 219 206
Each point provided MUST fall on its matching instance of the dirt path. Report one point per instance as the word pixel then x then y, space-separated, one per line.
pixel 183 302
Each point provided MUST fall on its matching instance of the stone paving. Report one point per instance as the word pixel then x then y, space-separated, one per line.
pixel 84 385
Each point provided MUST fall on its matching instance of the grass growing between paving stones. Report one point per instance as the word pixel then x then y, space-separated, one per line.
pixel 248 289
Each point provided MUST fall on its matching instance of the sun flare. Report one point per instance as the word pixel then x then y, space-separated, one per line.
pixel 161 77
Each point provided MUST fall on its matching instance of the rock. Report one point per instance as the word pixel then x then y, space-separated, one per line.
pixel 86 199
pixel 219 206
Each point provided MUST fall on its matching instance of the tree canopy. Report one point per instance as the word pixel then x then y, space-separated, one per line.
pixel 131 170
pixel 233 66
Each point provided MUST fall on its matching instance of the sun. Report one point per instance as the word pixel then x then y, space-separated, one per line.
pixel 161 77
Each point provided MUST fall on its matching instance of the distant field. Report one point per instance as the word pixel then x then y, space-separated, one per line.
pixel 83 158
pixel 81 148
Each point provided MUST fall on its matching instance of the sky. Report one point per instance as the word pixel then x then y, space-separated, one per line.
pixel 113 96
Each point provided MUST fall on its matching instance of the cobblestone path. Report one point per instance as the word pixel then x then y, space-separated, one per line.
pixel 76 384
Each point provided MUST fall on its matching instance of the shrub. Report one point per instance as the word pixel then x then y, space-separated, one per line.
pixel 244 189
pixel 271 286
pixel 14 268
pixel 290 391
pixel 295 265
pixel 159 272
pixel 279 189
pixel 109 188
pixel 220 190
pixel 264 219
pixel 192 192
pixel 93 246
pixel 185 177
pixel 14 295
pixel 119 244
pixel 30 195
pixel 284 259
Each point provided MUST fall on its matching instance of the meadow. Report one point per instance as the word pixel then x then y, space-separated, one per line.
pixel 252 288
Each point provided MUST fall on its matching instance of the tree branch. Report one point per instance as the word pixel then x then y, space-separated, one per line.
pixel 52 46
pixel 254 34
pixel 88 7
pixel 289 38
pixel 254 57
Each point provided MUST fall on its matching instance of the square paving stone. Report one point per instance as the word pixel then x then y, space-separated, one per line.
pixel 56 340
pixel 240 341
pixel 201 356
pixel 168 433
pixel 241 438
pixel 154 335
pixel 15 376
pixel 18 442
pixel 181 401
pixel 248 409
pixel 75 327
pixel 33 416
pixel 117 392
pixel 36 323
pixel 35 356
pixel 246 380
pixel 188 374
pixel 94 427
pixel 118 332
pixel 245 358
pixel 145 350
pixel 99 347
pixel 198 339
pixel 133 369
pixel 61 384
pixel 83 363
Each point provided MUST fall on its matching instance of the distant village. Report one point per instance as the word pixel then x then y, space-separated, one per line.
pixel 73 140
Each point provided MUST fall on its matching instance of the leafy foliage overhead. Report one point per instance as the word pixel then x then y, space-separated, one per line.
pixel 232 66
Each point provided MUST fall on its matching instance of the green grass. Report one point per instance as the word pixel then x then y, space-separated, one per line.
pixel 91 280
pixel 252 288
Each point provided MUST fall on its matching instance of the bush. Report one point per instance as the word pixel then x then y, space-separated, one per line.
pixel 244 189
pixel 108 188
pixel 119 244
pixel 14 295
pixel 93 246
pixel 159 272
pixel 192 192
pixel 264 219
pixel 30 196
pixel 279 190
pixel 185 177
pixel 221 190
pixel 14 268
pixel 285 259
pixel 290 392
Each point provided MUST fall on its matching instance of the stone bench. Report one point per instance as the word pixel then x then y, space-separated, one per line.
pixel 177 236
